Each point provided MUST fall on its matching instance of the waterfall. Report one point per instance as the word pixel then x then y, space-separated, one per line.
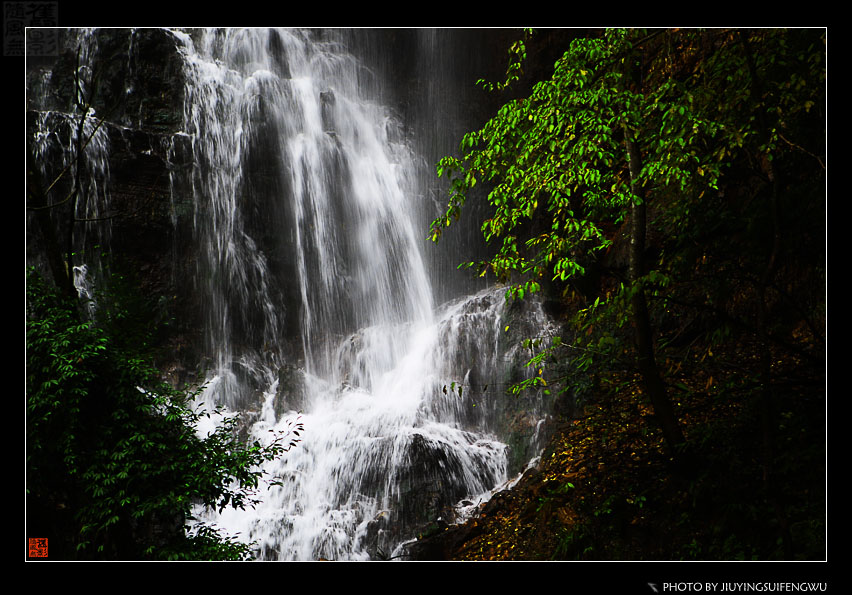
pixel 391 442
pixel 310 210
pixel 310 225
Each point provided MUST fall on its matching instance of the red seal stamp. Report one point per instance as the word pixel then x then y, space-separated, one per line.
pixel 37 547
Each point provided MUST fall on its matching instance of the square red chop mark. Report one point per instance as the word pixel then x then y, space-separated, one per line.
pixel 38 547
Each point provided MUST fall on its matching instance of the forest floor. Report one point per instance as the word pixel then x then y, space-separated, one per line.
pixel 607 487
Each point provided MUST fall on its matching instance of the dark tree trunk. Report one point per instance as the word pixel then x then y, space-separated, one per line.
pixel 37 203
pixel 767 398
pixel 654 386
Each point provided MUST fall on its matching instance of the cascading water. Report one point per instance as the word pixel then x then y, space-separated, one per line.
pixel 310 227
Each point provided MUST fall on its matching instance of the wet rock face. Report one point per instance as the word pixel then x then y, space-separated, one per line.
pixel 134 82
pixel 429 486
pixel 290 395
pixel 134 78
pixel 430 481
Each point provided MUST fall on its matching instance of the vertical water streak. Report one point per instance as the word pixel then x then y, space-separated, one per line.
pixel 272 103
pixel 232 273
pixel 71 148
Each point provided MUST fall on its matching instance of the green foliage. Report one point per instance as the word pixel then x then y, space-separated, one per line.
pixel 558 154
pixel 713 116
pixel 115 462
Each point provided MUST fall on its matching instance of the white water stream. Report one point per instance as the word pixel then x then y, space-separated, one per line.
pixel 286 140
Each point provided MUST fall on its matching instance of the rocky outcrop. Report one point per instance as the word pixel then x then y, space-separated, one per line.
pixel 428 487
pixel 134 78
pixel 290 395
pixel 442 539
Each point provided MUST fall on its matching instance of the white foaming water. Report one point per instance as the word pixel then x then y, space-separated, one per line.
pixel 374 460
pixel 288 146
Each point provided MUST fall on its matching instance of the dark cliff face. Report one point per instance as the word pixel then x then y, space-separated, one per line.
pixel 135 75
pixel 133 80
